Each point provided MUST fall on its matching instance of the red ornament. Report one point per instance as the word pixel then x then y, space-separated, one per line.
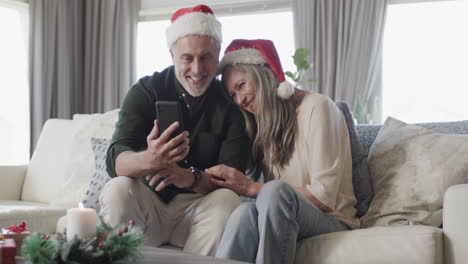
pixel 18 228
pixel 131 223
pixel 100 244
pixel 125 229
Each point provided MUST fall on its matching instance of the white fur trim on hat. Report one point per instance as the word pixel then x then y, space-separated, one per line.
pixel 196 23
pixel 285 90
pixel 245 56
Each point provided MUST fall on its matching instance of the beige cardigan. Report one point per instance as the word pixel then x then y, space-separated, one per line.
pixel 321 160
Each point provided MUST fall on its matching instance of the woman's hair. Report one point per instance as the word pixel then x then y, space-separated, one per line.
pixel 273 128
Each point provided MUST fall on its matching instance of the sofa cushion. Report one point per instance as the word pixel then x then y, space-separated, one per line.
pixel 399 244
pixel 80 163
pixel 40 217
pixel 411 168
pixel 48 164
pixel 361 178
pixel 100 176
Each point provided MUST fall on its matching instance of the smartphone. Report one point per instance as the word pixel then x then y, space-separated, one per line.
pixel 168 112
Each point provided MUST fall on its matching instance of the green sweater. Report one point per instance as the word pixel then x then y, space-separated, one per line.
pixel 217 130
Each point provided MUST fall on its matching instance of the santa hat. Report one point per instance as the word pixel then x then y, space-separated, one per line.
pixel 197 20
pixel 257 51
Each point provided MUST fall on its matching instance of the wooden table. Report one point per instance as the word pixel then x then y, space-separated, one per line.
pixel 153 255
pixel 169 256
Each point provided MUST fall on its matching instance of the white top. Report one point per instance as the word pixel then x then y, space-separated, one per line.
pixel 321 160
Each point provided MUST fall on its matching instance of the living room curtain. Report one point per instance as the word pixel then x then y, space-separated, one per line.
pixel 82 57
pixel 345 40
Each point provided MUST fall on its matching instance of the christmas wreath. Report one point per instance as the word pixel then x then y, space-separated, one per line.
pixel 107 246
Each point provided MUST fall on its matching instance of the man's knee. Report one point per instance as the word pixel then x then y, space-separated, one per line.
pixel 223 199
pixel 119 190
pixel 218 205
pixel 120 201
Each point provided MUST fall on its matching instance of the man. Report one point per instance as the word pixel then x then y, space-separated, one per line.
pixel 173 199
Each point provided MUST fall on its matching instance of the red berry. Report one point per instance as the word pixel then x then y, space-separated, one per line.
pixel 125 229
pixel 131 222
pixel 119 232
pixel 100 244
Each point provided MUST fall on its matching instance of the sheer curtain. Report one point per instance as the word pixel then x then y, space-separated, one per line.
pixel 14 88
pixel 345 40
pixel 82 57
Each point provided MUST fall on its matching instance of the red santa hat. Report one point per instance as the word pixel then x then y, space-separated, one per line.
pixel 257 51
pixel 197 20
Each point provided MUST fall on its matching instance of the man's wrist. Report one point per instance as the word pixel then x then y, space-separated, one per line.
pixel 197 175
pixel 254 189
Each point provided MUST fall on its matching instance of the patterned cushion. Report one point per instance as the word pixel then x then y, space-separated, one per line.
pixel 361 177
pixel 100 176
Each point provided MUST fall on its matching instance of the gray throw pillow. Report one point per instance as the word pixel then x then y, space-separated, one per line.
pixel 361 178
pixel 100 176
pixel 411 168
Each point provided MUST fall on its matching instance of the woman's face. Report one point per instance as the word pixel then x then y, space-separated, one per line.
pixel 240 88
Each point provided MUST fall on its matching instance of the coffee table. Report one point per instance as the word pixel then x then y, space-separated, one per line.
pixel 170 256
pixel 152 255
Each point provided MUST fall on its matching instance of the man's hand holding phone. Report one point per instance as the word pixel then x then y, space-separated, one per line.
pixel 164 151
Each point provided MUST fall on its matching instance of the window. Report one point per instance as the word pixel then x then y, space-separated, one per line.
pixel 153 54
pixel 426 61
pixel 14 86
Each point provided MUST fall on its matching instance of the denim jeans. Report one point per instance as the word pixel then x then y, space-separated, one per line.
pixel 266 231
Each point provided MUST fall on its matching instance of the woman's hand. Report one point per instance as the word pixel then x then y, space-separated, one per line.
pixel 228 177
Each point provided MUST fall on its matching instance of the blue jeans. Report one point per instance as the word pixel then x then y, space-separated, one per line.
pixel 266 231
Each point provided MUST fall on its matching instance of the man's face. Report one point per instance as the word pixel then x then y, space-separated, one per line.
pixel 195 59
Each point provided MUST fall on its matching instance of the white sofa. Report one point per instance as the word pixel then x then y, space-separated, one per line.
pixel 30 193
pixel 57 175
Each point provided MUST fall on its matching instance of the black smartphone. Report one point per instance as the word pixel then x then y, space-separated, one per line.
pixel 168 112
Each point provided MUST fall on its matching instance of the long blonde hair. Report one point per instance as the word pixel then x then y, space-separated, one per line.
pixel 273 127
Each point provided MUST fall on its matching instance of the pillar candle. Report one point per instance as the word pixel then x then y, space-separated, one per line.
pixel 81 222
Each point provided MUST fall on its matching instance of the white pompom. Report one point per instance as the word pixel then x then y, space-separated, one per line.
pixel 285 90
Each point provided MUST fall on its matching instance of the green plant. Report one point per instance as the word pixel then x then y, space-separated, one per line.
pixel 359 113
pixel 300 59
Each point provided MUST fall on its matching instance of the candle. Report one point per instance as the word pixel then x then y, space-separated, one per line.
pixel 81 222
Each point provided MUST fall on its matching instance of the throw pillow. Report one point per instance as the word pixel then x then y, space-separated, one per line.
pixel 80 167
pixel 100 176
pixel 361 178
pixel 411 168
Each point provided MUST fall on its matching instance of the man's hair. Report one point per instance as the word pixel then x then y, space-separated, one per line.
pixel 272 129
pixel 218 43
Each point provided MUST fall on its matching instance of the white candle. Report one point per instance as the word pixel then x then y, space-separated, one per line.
pixel 81 222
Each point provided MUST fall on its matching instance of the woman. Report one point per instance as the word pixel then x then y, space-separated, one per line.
pixel 300 143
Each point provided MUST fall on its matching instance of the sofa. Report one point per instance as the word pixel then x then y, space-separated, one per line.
pixel 60 171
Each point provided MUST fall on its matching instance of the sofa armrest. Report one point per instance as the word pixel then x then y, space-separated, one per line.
pixel 11 181
pixel 455 219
